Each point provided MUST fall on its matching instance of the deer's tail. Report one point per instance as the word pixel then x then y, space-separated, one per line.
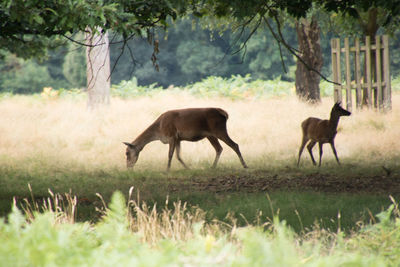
pixel 223 113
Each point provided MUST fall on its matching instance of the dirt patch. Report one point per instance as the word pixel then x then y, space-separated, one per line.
pixel 264 181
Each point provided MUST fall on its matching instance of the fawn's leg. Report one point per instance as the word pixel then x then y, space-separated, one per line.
pixel 303 143
pixel 309 148
pixel 334 151
pixel 320 153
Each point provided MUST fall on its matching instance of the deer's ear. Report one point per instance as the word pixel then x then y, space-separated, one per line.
pixel 128 144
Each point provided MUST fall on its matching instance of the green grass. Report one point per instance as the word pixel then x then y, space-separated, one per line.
pixel 301 210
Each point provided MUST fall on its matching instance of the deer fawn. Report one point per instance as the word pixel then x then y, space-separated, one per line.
pixel 192 124
pixel 321 131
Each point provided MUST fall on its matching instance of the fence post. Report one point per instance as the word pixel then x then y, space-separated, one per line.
pixel 349 103
pixel 358 74
pixel 378 71
pixel 387 105
pixel 368 66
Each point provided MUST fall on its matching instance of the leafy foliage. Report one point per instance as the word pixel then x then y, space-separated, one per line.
pixel 131 88
pixel 46 242
pixel 236 87
pixel 21 77
pixel 30 27
pixel 187 53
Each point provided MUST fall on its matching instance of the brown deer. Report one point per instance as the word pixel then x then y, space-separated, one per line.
pixel 321 131
pixel 192 124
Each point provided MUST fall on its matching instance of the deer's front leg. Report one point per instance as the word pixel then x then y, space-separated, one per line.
pixel 178 154
pixel 334 152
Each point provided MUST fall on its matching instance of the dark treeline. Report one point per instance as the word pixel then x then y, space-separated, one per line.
pixel 188 53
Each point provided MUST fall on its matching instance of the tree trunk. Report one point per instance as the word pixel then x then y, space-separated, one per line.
pixel 98 69
pixel 307 81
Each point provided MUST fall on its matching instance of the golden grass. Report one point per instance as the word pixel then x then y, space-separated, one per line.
pixel 267 131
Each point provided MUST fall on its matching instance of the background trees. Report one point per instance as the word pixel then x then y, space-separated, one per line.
pixel 73 66
pixel 186 55
pixel 182 51
pixel 22 76
pixel 30 28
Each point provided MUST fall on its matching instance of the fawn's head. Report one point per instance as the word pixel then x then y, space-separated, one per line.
pixel 338 110
pixel 132 154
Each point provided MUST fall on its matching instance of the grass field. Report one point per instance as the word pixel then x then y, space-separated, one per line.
pixel 63 133
pixel 57 144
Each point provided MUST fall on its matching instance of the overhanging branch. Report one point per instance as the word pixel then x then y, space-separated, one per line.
pixel 279 38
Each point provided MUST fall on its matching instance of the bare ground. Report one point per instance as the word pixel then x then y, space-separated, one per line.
pixel 387 183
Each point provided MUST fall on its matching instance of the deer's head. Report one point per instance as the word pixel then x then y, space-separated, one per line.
pixel 132 154
pixel 337 109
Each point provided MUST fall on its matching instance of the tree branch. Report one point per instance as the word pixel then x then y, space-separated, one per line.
pixel 292 50
pixel 124 44
pixel 250 35
pixel 81 43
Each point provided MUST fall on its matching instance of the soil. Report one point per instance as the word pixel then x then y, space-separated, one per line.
pixel 387 183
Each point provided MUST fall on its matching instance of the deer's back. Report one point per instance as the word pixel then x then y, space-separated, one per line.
pixel 192 124
pixel 317 130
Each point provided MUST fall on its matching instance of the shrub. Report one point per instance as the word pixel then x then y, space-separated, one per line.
pixel 24 78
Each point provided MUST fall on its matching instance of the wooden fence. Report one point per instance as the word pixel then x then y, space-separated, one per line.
pixel 369 80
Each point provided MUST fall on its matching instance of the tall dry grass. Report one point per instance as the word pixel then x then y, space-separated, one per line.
pixel 268 131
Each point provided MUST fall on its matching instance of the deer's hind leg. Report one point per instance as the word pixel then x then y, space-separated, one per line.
pixel 218 149
pixel 227 140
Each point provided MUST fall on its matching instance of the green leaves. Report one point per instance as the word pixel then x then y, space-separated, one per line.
pixel 44 242
pixel 46 19
pixel 38 19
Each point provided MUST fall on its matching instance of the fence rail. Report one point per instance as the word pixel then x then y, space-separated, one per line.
pixel 369 80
